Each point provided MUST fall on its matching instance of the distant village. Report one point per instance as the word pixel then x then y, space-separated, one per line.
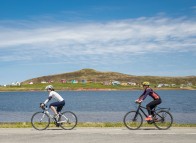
pixel 106 83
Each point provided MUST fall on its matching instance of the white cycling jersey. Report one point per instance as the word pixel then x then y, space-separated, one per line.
pixel 55 95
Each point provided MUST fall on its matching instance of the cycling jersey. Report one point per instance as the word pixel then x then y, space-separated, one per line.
pixel 150 92
pixel 55 95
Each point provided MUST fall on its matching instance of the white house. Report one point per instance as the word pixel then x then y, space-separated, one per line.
pixel 43 82
pixel 116 83
pixel 160 85
pixel 15 83
pixel 30 82
pixel 132 83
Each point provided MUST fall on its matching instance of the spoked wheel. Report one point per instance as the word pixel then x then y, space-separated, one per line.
pixel 163 120
pixel 40 121
pixel 131 121
pixel 67 120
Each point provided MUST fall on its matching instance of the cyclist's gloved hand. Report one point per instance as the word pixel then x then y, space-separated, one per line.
pixel 42 104
pixel 138 101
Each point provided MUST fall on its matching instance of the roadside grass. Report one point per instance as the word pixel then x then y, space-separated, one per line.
pixel 86 124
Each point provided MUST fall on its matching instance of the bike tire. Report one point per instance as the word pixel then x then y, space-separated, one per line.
pixel 163 120
pixel 67 120
pixel 40 121
pixel 130 122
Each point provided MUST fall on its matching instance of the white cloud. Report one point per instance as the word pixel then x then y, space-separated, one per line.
pixel 57 39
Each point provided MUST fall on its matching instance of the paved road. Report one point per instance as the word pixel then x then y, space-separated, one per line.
pixel 98 135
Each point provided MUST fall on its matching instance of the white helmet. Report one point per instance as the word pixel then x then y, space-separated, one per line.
pixel 49 87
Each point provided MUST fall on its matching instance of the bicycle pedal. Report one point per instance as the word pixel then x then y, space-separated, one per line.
pixel 150 122
pixel 57 125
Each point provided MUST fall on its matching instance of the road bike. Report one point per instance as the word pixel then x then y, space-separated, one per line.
pixel 41 120
pixel 162 118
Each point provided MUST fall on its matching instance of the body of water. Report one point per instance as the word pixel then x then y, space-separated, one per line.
pixel 96 106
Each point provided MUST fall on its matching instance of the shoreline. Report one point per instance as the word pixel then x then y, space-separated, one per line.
pixel 89 89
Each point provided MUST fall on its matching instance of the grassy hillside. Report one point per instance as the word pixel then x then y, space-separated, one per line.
pixel 95 81
pixel 98 77
pixel 84 74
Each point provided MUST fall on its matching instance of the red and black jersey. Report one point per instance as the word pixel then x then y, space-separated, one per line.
pixel 150 92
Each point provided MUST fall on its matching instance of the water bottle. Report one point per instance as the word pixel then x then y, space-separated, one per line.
pixel 47 112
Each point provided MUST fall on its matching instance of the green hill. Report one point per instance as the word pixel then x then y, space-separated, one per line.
pixel 91 75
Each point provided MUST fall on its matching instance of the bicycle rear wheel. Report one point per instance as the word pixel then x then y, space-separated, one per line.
pixel 40 121
pixel 132 120
pixel 163 120
pixel 67 120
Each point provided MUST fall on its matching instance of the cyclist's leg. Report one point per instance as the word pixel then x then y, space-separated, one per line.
pixel 60 106
pixel 152 105
pixel 149 107
pixel 52 107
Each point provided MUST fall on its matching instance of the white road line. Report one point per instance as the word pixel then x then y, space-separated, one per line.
pixel 191 133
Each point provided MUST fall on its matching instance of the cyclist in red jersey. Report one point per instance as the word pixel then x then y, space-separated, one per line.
pixel 156 99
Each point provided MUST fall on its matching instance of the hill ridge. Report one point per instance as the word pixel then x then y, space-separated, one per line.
pixel 98 76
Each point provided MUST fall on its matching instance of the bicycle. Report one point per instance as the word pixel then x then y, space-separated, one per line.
pixel 162 118
pixel 41 120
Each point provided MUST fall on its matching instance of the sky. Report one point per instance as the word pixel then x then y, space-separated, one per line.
pixel 135 37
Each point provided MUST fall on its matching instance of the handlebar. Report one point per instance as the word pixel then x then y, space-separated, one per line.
pixel 43 107
pixel 138 102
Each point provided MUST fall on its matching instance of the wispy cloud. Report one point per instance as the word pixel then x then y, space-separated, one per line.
pixel 27 40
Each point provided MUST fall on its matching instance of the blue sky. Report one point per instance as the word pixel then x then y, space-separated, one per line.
pixel 136 37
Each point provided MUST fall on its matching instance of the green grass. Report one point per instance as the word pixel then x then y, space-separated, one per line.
pixel 87 124
pixel 67 86
pixel 78 86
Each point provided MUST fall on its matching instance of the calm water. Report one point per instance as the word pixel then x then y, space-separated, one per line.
pixel 96 106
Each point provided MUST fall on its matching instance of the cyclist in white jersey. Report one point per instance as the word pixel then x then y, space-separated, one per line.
pixel 60 101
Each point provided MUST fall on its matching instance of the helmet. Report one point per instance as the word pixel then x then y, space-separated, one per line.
pixel 146 83
pixel 49 87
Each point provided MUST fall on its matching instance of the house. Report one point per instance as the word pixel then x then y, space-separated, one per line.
pixel 189 84
pixel 106 83
pixel 116 83
pixel 84 81
pixel 124 84
pixel 131 83
pixel 63 80
pixel 163 85
pixel 15 84
pixel 50 81
pixel 30 82
pixel 160 85
pixel 43 82
pixel 166 85
pixel 18 83
pixel 74 81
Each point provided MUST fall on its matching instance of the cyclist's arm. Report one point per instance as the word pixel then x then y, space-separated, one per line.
pixel 145 94
pixel 47 100
pixel 141 96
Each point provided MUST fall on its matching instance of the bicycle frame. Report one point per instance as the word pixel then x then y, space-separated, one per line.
pixel 140 109
pixel 45 111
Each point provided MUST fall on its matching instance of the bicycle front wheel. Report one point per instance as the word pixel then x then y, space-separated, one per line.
pixel 163 120
pixel 133 120
pixel 40 121
pixel 67 120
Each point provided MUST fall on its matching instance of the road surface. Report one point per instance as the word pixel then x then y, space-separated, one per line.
pixel 98 135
